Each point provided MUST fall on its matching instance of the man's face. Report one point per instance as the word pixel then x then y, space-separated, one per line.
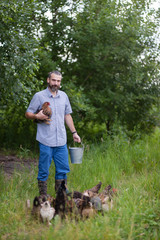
pixel 54 82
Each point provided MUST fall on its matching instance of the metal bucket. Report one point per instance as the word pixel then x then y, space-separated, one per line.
pixel 76 154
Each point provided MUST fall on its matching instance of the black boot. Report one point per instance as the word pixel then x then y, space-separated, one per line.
pixel 42 185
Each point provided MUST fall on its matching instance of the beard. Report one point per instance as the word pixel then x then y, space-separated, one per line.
pixel 53 88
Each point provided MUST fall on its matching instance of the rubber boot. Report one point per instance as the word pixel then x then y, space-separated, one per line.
pixel 42 185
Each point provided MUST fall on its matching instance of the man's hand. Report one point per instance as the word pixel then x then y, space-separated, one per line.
pixel 41 116
pixel 76 138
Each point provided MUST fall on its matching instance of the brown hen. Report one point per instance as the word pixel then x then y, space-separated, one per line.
pixel 46 111
pixel 93 191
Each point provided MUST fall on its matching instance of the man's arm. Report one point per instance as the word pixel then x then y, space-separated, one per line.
pixel 70 124
pixel 39 116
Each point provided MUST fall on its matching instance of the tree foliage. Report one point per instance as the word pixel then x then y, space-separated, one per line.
pixel 115 60
pixel 19 26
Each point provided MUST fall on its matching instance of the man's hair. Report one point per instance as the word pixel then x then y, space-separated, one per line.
pixel 55 72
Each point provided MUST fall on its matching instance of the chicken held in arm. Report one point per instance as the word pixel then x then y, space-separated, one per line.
pixel 46 110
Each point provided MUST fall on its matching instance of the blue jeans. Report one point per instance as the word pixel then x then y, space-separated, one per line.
pixel 60 157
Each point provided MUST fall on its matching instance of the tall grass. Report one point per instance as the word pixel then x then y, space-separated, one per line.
pixel 132 168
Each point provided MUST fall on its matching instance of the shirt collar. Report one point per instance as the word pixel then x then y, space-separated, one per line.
pixel 50 94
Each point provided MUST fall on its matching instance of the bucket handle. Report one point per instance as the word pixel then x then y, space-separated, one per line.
pixel 80 143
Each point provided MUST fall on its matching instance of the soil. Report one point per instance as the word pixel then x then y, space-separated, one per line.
pixel 10 164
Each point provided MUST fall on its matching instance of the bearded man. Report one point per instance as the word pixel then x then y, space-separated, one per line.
pixel 52 137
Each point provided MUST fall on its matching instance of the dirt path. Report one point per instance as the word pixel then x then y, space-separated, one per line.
pixel 9 164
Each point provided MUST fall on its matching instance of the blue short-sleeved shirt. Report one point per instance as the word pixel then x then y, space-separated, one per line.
pixel 53 134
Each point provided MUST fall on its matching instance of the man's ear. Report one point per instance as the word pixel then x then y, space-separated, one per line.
pixel 47 80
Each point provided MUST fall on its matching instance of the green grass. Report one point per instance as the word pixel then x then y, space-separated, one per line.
pixel 132 168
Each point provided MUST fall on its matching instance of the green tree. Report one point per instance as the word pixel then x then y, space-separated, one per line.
pixel 19 29
pixel 114 60
pixel 19 25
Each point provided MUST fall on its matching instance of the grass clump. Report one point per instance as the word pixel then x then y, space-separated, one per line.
pixel 132 168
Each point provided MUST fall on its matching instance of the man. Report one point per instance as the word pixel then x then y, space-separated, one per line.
pixel 52 137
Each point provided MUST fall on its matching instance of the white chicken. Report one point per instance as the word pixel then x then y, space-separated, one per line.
pixel 47 212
